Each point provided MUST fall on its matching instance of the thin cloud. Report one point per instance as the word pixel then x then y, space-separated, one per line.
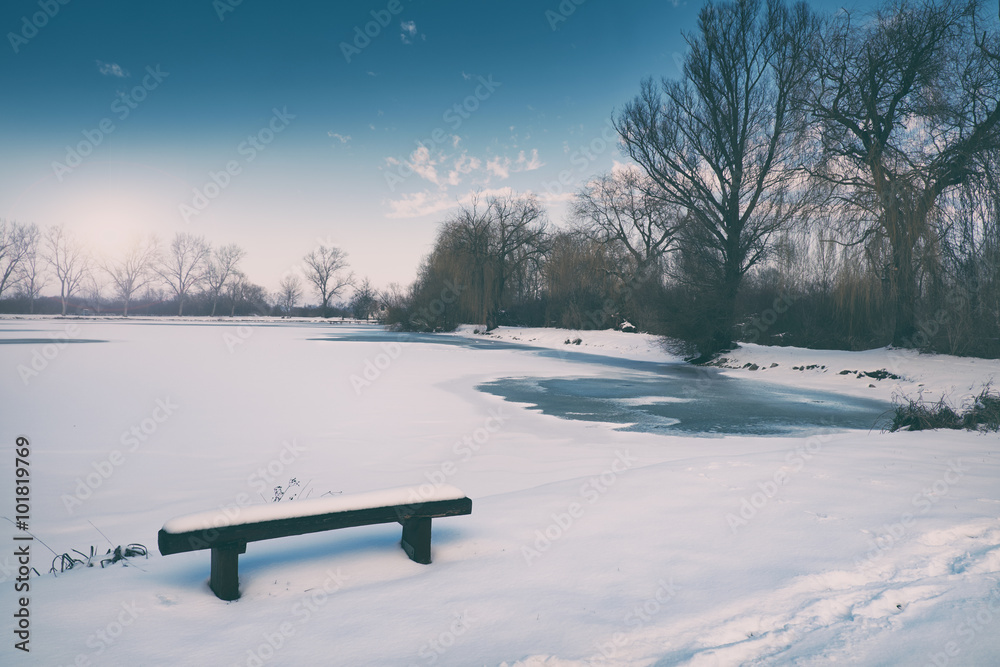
pixel 111 69
pixel 462 166
pixel 526 164
pixel 424 165
pixel 409 31
pixel 419 204
pixel 499 167
pixel 343 138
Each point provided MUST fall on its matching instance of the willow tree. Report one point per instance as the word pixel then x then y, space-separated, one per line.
pixel 492 243
pixel 908 104
pixel 723 144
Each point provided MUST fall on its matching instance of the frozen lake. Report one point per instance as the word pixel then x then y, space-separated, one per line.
pixel 662 397
pixel 606 529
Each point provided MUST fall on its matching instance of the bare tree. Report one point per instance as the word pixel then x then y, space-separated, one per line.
pixel 289 293
pixel 68 259
pixel 221 269
pixel 30 277
pixel 325 269
pixel 723 142
pixel 364 300
pixel 621 209
pixel 517 244
pixel 15 245
pixel 245 295
pixel 489 246
pixel 185 265
pixel 236 291
pixel 134 271
pixel 908 102
pixel 95 290
pixel 393 297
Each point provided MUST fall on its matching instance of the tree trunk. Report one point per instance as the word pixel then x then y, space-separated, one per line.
pixel 723 315
pixel 180 308
pixel 904 291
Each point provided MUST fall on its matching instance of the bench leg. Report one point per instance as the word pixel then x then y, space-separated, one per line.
pixel 417 539
pixel 225 577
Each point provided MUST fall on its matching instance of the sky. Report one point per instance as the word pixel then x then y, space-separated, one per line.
pixel 282 126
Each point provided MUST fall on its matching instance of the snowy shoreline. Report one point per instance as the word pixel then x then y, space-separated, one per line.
pixel 931 376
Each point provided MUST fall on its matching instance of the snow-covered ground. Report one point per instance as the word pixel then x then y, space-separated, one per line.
pixel 586 545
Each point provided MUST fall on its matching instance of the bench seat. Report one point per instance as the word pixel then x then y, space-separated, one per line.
pixel 227 531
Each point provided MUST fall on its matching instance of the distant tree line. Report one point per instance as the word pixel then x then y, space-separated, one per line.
pixel 828 181
pixel 188 276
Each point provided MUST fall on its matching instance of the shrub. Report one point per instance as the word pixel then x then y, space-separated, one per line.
pixel 917 415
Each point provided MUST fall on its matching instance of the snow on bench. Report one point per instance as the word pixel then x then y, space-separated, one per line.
pixel 227 532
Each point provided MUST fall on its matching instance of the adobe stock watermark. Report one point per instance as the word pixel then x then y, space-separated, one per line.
pixel 434 648
pixel 977 622
pixel 31 25
pixel 561 13
pixel 591 491
pixel 234 339
pixel 262 480
pixel 449 293
pixel 266 477
pixel 582 158
pixel 637 617
pixel 377 364
pixel 223 7
pixel 453 117
pixel 248 150
pixel 929 326
pixel 762 322
pixel 131 441
pixel 922 503
pixel 795 461
pixel 302 610
pixel 122 108
pixel 363 35
pixel 623 293
pixel 42 356
pixel 104 638
pixel 464 449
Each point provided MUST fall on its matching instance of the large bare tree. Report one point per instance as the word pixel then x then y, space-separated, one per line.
pixel 908 101
pixel 723 142
pixel 31 276
pixel 68 260
pixel 185 265
pixel 325 268
pixel 222 267
pixel 134 270
pixel 16 243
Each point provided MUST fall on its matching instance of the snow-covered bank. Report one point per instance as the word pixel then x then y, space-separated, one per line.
pixel 607 342
pixel 929 375
pixel 586 545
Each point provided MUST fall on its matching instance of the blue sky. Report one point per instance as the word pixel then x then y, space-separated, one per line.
pixel 277 126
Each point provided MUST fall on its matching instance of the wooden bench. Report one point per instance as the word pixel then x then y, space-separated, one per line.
pixel 227 532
